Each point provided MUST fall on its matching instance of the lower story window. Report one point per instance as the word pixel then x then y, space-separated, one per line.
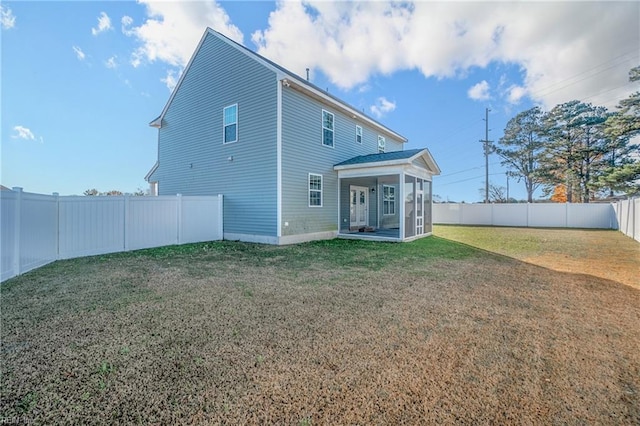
pixel 388 200
pixel 315 190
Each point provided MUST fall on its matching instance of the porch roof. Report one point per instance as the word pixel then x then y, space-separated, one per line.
pixel 393 158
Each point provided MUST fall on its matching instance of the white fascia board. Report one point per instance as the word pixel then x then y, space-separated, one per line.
pixel 428 158
pixel 318 95
pixel 425 154
pixel 385 170
pixel 158 121
pixel 153 169
pixel 292 80
pixel 369 171
pixel 419 172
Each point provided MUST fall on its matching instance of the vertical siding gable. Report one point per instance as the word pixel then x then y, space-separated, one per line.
pixel 192 157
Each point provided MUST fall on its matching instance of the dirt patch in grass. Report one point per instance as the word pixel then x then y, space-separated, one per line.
pixel 337 332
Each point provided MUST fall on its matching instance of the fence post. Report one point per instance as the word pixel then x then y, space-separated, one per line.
pixel 619 215
pixel 125 221
pixel 492 214
pixel 56 195
pixel 179 217
pixel 635 203
pixel 16 229
pixel 221 215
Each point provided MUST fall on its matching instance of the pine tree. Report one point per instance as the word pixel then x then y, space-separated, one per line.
pixel 575 152
pixel 621 128
pixel 521 148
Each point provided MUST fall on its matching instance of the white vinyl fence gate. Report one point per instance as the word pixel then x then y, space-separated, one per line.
pixel 38 229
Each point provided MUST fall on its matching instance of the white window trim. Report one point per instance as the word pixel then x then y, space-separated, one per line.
pixel 359 134
pixel 333 131
pixel 225 125
pixel 381 146
pixel 315 190
pixel 392 202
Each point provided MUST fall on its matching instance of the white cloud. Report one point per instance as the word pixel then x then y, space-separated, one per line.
pixel 171 80
pixel 173 29
pixel 7 18
pixel 515 93
pixel 126 22
pixel 79 53
pixel 364 88
pixel 111 62
pixel 382 107
pixel 22 132
pixel 104 24
pixel 351 41
pixel 479 92
pixel 347 41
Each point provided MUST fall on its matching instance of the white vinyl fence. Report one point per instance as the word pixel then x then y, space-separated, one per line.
pixel 542 215
pixel 628 216
pixel 38 229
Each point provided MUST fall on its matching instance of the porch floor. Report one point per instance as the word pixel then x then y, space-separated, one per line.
pixel 389 234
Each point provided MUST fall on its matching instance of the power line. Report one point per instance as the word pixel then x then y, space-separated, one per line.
pixel 467 179
pixel 543 91
pixel 466 170
pixel 607 91
pixel 627 56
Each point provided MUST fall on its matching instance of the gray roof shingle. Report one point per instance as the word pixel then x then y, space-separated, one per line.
pixel 380 157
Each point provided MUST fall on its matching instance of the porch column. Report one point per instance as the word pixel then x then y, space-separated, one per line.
pixel 339 210
pixel 401 202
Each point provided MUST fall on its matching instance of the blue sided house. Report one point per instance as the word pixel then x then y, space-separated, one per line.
pixel 293 162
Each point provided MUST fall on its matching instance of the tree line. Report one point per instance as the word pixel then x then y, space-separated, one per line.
pixel 114 192
pixel 576 152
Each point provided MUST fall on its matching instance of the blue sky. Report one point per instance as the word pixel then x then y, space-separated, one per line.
pixel 82 80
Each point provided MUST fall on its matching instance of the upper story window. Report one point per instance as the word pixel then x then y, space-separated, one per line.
pixel 381 143
pixel 359 134
pixel 230 118
pixel 315 190
pixel 327 128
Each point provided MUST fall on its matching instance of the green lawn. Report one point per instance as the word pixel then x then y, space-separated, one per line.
pixel 329 332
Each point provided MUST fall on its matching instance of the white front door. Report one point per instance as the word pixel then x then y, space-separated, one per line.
pixel 359 206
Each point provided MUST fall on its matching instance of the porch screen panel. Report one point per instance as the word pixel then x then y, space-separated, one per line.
pixel 409 206
pixel 428 221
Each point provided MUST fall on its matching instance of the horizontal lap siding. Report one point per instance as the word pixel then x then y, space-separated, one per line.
pixel 303 153
pixel 192 158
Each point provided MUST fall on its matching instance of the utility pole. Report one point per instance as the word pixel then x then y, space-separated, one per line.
pixel 507 173
pixel 486 142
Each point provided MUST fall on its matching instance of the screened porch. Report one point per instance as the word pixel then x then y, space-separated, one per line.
pixel 386 197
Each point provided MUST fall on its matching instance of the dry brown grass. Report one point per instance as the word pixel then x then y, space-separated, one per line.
pixel 339 332
pixel 602 253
